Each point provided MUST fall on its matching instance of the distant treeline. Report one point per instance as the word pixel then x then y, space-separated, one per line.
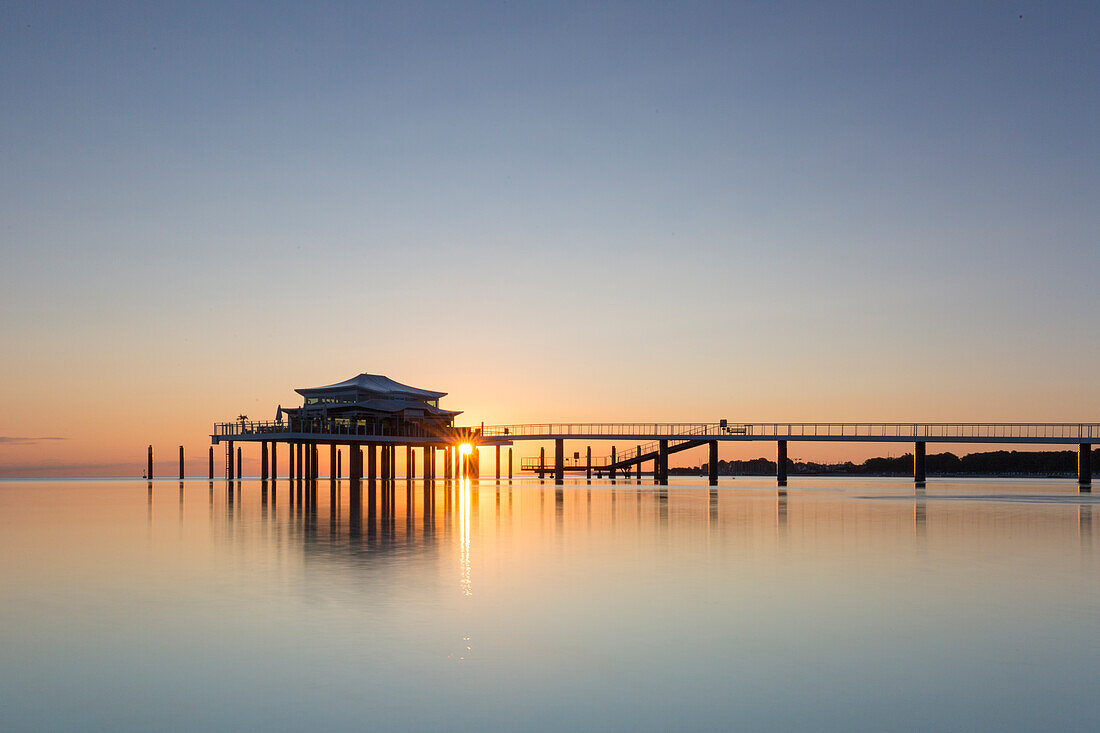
pixel 992 463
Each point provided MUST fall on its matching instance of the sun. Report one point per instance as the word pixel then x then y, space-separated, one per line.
pixel 465 449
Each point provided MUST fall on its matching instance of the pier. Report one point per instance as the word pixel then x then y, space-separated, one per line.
pixel 374 414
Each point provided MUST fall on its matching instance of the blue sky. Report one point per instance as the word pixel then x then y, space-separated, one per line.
pixel 556 211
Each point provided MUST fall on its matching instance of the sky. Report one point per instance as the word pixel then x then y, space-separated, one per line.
pixel 552 211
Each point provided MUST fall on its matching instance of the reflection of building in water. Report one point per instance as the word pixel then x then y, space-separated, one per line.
pixel 369 535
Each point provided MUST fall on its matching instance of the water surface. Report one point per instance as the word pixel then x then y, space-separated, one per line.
pixel 839 604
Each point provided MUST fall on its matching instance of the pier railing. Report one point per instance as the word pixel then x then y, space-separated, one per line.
pixel 251 428
pixel 726 430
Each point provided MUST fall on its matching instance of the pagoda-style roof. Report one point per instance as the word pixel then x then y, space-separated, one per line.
pixel 373 405
pixel 375 384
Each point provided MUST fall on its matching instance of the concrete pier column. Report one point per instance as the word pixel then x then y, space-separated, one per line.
pixel 149 463
pixel 372 466
pixel 316 461
pixel 238 461
pixel 299 462
pixel 638 454
pixel 274 462
pixel 410 464
pixel 559 461
pixel 781 462
pixel 1084 466
pixel 588 463
pixel 355 464
pixel 333 462
pixel 229 461
pixel 542 463
pixel 662 452
pixel 393 463
pixel 498 463
pixel 918 463
pixel 263 460
pixel 211 459
pixel 509 463
pixel 611 466
pixel 712 463
pixel 447 464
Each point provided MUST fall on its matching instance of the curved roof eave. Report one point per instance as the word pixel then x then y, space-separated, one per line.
pixel 377 383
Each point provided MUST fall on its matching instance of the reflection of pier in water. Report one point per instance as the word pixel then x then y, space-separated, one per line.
pixel 422 522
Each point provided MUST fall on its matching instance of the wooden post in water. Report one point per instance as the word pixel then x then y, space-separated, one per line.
pixel 919 463
pixel 542 463
pixel 263 460
pixel 274 463
pixel 211 457
pixel 781 462
pixel 149 464
pixel 238 461
pixel 498 464
pixel 181 463
pixel 588 463
pixel 372 466
pixel 509 463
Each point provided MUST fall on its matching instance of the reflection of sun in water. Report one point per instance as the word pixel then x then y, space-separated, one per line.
pixel 464 537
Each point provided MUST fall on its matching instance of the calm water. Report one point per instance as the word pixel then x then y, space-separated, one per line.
pixel 839 605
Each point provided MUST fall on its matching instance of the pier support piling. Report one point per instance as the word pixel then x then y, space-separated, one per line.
pixel 1084 467
pixel 918 463
pixel 509 464
pixel 274 462
pixel 238 461
pixel 712 463
pixel 372 466
pixel 263 460
pixel 181 463
pixel 498 463
pixel 611 466
pixel 149 464
pixel 211 459
pixel 663 454
pixel 781 462
pixel 559 462
pixel 588 463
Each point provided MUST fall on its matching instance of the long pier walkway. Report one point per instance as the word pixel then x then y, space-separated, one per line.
pixel 652 442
